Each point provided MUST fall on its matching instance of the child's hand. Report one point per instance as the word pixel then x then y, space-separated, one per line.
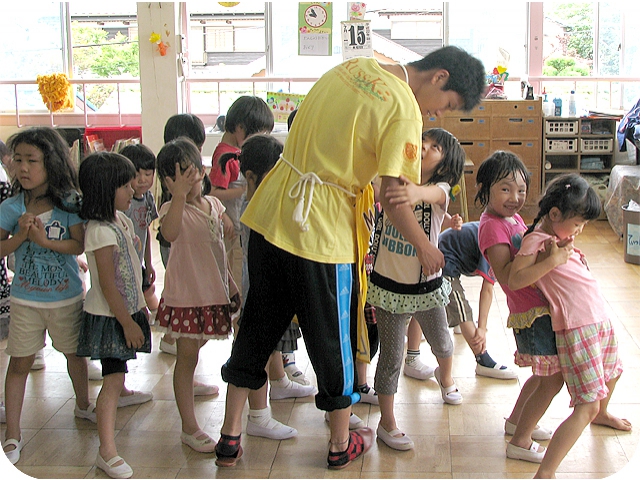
pixel 37 233
pixel 82 264
pixel 456 222
pixel 24 225
pixel 150 273
pixel 407 194
pixel 133 334
pixel 559 251
pixel 479 340
pixel 181 186
pixel 227 227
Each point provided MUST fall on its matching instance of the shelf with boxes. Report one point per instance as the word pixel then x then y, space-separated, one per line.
pixel 513 125
pixel 579 145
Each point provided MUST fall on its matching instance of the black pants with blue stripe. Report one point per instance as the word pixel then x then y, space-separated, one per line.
pixel 325 299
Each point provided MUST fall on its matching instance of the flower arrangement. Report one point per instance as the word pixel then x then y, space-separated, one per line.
pixel 55 90
pixel 157 39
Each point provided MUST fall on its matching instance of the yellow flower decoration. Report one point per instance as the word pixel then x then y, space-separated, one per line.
pixel 155 37
pixel 55 90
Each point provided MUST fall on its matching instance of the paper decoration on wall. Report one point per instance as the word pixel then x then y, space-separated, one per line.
pixel 356 10
pixel 356 39
pixel 315 22
pixel 228 4
pixel 282 104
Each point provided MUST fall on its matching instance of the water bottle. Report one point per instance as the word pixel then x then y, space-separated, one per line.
pixel 558 110
pixel 572 103
pixel 547 107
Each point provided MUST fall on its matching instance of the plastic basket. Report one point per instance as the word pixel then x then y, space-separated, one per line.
pixel 561 145
pixel 601 145
pixel 553 127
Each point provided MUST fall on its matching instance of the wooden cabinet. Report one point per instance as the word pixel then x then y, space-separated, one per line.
pixel 513 125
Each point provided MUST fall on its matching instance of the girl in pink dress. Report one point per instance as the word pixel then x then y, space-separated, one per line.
pixel 199 293
pixel 586 343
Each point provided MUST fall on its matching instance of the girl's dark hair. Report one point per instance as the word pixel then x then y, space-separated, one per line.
pixel 251 113
pixel 183 151
pixel 467 76
pixel 185 125
pixel 62 178
pixel 141 156
pixel 259 154
pixel 498 166
pixel 101 174
pixel 572 195
pixel 453 157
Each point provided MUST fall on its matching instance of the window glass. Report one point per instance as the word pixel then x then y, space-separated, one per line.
pixel 31 46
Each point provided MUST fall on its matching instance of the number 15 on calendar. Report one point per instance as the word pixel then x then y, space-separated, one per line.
pixel 356 39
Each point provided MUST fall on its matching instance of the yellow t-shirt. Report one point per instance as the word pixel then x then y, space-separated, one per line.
pixel 358 121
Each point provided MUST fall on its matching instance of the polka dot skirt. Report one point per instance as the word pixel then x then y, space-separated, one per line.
pixel 195 322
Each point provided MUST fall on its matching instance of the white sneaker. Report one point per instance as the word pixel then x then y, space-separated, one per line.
pixel 296 375
pixel 168 348
pixel 501 372
pixel 88 414
pixel 94 371
pixel 355 422
pixel 417 369
pixel 279 389
pixel 38 361
pixel 369 396
pixel 135 398
pixel 273 430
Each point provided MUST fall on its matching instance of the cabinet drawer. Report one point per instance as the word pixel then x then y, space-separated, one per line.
pixel 431 122
pixel 476 150
pixel 516 127
pixel 471 128
pixel 528 108
pixel 529 151
pixel 483 109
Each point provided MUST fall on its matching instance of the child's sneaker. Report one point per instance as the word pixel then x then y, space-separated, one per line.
pixel 368 395
pixel 292 371
pixel 355 421
pixel 169 348
pixel 416 369
pixel 94 371
pixel 260 423
pixel 38 361
pixel 88 414
pixel 487 367
pixel 285 388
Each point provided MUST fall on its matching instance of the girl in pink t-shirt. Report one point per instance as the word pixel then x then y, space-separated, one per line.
pixel 503 181
pixel 199 293
pixel 586 343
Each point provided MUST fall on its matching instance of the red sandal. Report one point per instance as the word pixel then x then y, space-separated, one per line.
pixel 360 441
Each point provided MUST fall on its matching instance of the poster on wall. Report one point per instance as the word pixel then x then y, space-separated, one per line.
pixel 282 104
pixel 314 26
pixel 356 39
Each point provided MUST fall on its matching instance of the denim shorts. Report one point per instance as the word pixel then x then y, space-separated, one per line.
pixel 539 339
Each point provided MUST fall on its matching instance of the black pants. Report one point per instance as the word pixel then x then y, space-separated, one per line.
pixel 325 299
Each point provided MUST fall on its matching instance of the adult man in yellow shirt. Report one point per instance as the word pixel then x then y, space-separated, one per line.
pixel 310 218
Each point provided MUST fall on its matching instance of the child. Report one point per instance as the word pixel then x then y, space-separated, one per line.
pixel 46 293
pixel 246 116
pixel 587 345
pixel 142 212
pixel 462 257
pixel 5 192
pixel 115 324
pixel 259 154
pixel 399 289
pixel 199 294
pixel 502 181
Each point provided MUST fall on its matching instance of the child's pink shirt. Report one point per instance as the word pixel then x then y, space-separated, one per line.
pixel 575 299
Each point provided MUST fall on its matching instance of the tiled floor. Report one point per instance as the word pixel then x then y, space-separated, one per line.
pixel 465 441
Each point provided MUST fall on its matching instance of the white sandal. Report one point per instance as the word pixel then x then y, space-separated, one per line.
pixel 205 445
pixel 390 439
pixel 121 471
pixel 13 455
pixel 450 394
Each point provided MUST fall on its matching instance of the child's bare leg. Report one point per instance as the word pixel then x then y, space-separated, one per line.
pixel 527 390
pixel 534 407
pixel 106 407
pixel 77 368
pixel 186 361
pixel 15 384
pixel 446 368
pixel 605 418
pixel 468 330
pixel 565 438
pixel 387 416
